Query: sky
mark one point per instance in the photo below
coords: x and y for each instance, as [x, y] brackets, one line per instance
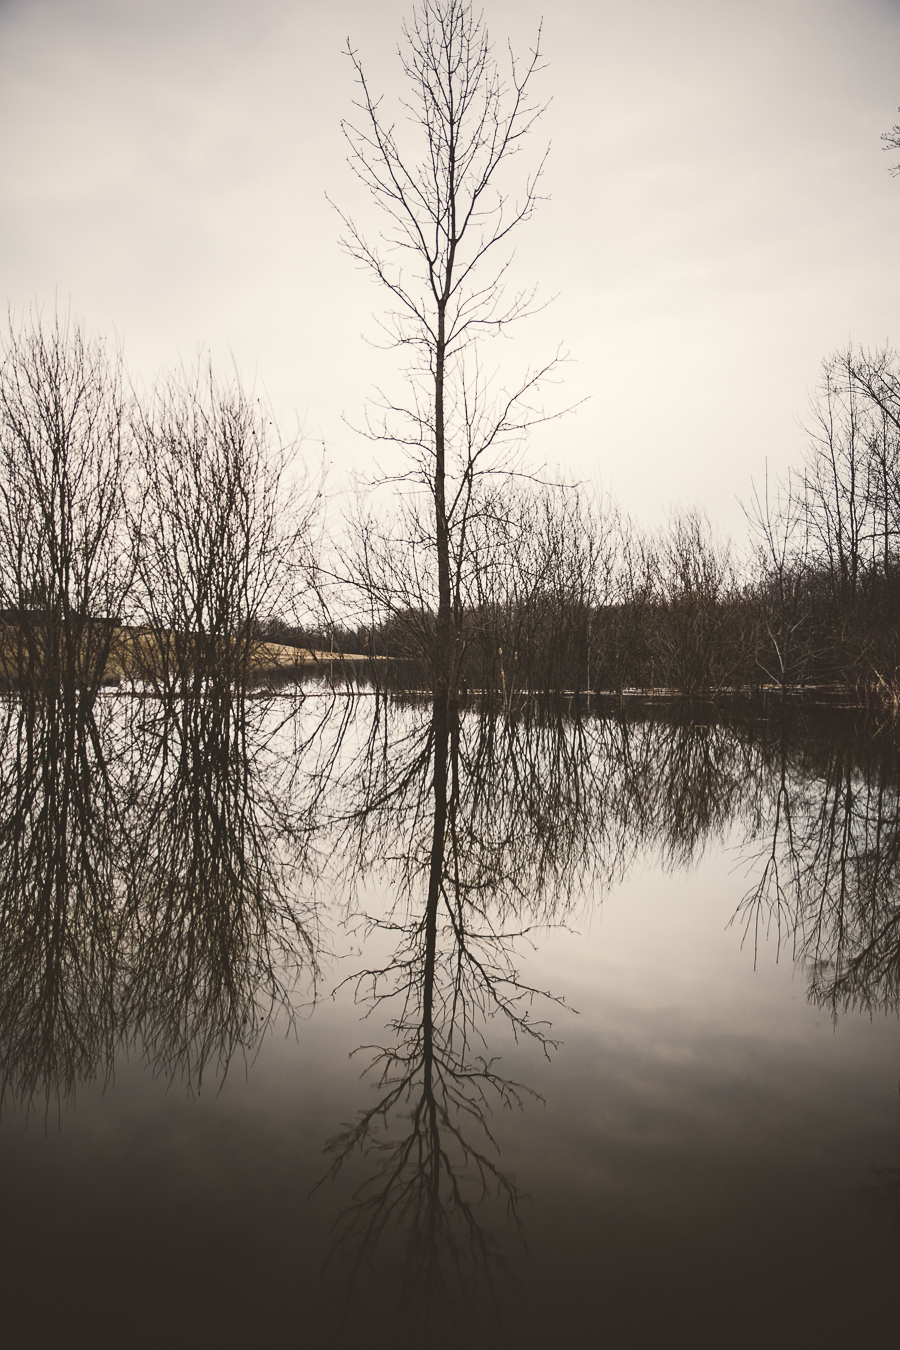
[720, 214]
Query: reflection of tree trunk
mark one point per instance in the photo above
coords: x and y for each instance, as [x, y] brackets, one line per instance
[435, 875]
[433, 1179]
[435, 879]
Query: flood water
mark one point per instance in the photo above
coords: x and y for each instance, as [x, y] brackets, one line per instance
[330, 1021]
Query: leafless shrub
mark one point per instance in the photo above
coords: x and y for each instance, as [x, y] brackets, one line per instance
[218, 532]
[66, 452]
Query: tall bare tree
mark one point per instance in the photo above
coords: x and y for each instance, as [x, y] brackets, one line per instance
[439, 182]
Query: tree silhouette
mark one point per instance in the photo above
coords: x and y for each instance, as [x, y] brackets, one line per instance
[447, 213]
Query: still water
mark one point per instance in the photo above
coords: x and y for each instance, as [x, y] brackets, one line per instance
[340, 1022]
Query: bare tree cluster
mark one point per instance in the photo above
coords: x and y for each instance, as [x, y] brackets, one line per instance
[149, 538]
[563, 594]
[171, 522]
[827, 583]
[216, 531]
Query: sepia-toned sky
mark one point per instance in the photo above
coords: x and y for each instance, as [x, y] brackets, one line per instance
[720, 212]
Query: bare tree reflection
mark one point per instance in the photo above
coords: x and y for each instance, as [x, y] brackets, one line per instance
[675, 784]
[151, 872]
[61, 916]
[157, 857]
[830, 867]
[219, 935]
[428, 1134]
[485, 828]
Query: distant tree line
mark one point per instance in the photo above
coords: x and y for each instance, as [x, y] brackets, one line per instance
[185, 519]
[562, 593]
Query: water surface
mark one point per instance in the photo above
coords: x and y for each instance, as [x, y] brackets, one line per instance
[331, 1020]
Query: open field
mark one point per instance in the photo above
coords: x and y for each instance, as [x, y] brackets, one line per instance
[114, 653]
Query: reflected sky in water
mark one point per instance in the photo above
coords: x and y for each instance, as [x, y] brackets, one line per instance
[342, 1019]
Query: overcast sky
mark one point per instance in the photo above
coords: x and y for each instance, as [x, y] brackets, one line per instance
[721, 214]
